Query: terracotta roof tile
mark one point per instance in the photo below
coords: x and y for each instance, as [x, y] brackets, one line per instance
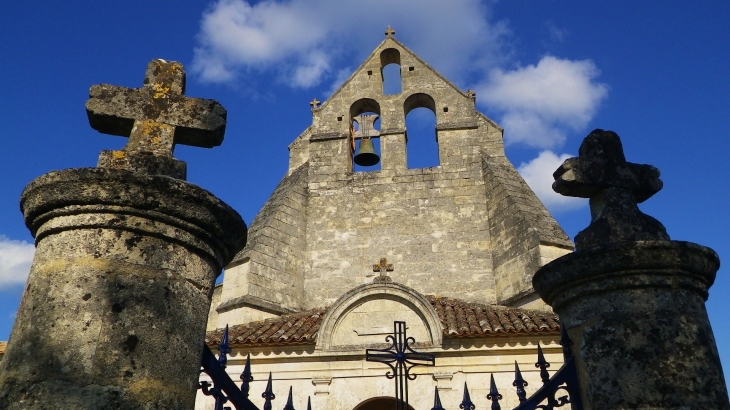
[466, 319]
[297, 328]
[459, 319]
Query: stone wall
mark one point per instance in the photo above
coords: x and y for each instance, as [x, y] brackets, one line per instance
[268, 275]
[430, 223]
[525, 236]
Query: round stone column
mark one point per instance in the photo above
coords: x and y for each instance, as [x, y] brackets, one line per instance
[632, 300]
[114, 311]
[635, 312]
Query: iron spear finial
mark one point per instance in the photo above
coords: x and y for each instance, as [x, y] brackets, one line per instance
[466, 403]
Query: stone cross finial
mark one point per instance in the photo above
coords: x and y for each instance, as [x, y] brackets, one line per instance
[383, 267]
[614, 187]
[314, 104]
[389, 32]
[155, 118]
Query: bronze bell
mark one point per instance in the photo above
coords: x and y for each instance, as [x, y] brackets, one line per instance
[366, 156]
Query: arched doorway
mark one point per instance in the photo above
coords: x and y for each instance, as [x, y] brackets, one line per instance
[378, 403]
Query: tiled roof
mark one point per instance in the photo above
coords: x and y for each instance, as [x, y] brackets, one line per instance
[459, 319]
[465, 319]
[296, 328]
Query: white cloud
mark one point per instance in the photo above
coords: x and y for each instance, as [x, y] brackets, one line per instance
[541, 103]
[556, 34]
[538, 174]
[304, 40]
[309, 73]
[15, 260]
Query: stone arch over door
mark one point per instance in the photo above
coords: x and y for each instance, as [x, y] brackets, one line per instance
[394, 302]
[379, 403]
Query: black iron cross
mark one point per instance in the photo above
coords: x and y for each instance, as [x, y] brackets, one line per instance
[401, 358]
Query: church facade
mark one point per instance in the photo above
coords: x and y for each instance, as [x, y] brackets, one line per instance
[336, 255]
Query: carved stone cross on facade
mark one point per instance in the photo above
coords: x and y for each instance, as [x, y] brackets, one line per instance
[614, 187]
[401, 358]
[155, 118]
[383, 267]
[314, 104]
[389, 32]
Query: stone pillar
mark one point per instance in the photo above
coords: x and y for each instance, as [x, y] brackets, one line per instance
[631, 299]
[393, 150]
[114, 311]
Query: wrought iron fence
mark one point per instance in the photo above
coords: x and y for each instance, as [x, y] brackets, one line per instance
[548, 397]
[224, 390]
[557, 391]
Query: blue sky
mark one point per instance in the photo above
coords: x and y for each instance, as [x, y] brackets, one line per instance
[549, 71]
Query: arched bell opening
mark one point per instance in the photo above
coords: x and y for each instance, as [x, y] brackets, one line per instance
[422, 149]
[390, 71]
[365, 135]
[379, 403]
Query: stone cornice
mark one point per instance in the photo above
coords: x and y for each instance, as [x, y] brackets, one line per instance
[93, 198]
[627, 265]
[327, 136]
[453, 126]
[254, 302]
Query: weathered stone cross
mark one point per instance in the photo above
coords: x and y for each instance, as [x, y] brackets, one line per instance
[614, 187]
[155, 118]
[389, 32]
[314, 104]
[383, 267]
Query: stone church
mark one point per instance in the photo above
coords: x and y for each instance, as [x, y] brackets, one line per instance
[118, 300]
[337, 254]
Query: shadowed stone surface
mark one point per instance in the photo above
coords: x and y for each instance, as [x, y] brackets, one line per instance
[614, 187]
[631, 299]
[114, 311]
[123, 264]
